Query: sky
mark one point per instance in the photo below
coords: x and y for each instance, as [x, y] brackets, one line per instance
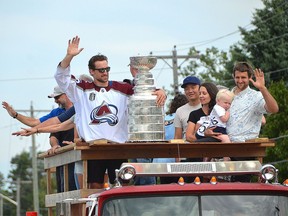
[35, 33]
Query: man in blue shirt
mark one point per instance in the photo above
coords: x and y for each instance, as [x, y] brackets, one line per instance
[60, 98]
[56, 139]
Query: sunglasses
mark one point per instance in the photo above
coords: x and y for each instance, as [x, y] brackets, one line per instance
[57, 97]
[102, 70]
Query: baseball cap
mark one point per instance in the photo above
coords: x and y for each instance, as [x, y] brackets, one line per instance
[190, 80]
[57, 91]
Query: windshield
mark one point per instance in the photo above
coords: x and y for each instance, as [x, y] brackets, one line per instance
[212, 205]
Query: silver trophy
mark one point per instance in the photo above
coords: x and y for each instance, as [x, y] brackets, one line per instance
[146, 120]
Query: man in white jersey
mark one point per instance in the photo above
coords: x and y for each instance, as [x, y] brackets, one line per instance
[191, 86]
[101, 107]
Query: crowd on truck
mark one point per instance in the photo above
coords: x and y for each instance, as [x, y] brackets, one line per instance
[93, 107]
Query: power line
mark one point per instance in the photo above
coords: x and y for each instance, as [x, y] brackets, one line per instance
[277, 162]
[264, 41]
[246, 27]
[43, 78]
[201, 43]
[155, 69]
[280, 137]
[24, 79]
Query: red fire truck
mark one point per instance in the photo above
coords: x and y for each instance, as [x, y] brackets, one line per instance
[214, 197]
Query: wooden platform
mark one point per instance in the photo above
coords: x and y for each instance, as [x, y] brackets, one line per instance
[84, 151]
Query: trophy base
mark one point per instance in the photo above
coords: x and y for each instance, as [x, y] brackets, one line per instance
[146, 136]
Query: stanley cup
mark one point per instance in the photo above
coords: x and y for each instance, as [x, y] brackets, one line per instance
[146, 120]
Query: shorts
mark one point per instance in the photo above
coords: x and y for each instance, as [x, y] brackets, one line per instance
[97, 169]
[78, 167]
[220, 130]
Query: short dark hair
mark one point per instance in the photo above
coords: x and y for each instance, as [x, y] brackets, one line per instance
[243, 67]
[93, 59]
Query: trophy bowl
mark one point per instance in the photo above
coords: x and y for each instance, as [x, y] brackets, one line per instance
[143, 62]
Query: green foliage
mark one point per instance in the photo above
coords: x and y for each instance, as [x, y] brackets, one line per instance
[267, 42]
[22, 169]
[2, 183]
[276, 127]
[21, 163]
[264, 46]
[210, 67]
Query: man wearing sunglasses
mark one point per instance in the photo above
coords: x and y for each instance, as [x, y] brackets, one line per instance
[101, 108]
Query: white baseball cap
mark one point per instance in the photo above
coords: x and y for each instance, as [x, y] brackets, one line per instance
[57, 91]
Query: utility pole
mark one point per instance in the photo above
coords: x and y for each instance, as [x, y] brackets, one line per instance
[18, 194]
[1, 202]
[175, 66]
[18, 183]
[34, 161]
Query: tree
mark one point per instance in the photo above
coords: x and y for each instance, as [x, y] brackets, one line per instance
[2, 183]
[210, 67]
[276, 127]
[266, 44]
[22, 168]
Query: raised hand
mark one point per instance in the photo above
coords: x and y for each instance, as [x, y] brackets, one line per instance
[73, 46]
[259, 79]
[9, 109]
[72, 50]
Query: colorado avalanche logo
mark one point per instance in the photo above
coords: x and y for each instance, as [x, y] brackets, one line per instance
[104, 113]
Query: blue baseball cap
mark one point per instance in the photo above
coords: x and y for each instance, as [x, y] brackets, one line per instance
[190, 80]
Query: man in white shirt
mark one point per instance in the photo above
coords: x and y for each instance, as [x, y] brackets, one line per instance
[101, 108]
[247, 108]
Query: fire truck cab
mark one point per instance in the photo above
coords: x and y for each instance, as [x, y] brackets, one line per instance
[211, 197]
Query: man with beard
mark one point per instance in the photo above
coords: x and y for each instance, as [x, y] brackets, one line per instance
[101, 108]
[247, 108]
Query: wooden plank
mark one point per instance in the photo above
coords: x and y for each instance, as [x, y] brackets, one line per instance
[48, 179]
[66, 178]
[164, 150]
[263, 139]
[100, 141]
[52, 199]
[85, 174]
[177, 141]
[66, 157]
[57, 151]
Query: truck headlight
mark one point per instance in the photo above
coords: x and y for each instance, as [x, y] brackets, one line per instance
[268, 172]
[127, 172]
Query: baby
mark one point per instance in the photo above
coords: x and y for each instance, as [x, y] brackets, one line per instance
[220, 115]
